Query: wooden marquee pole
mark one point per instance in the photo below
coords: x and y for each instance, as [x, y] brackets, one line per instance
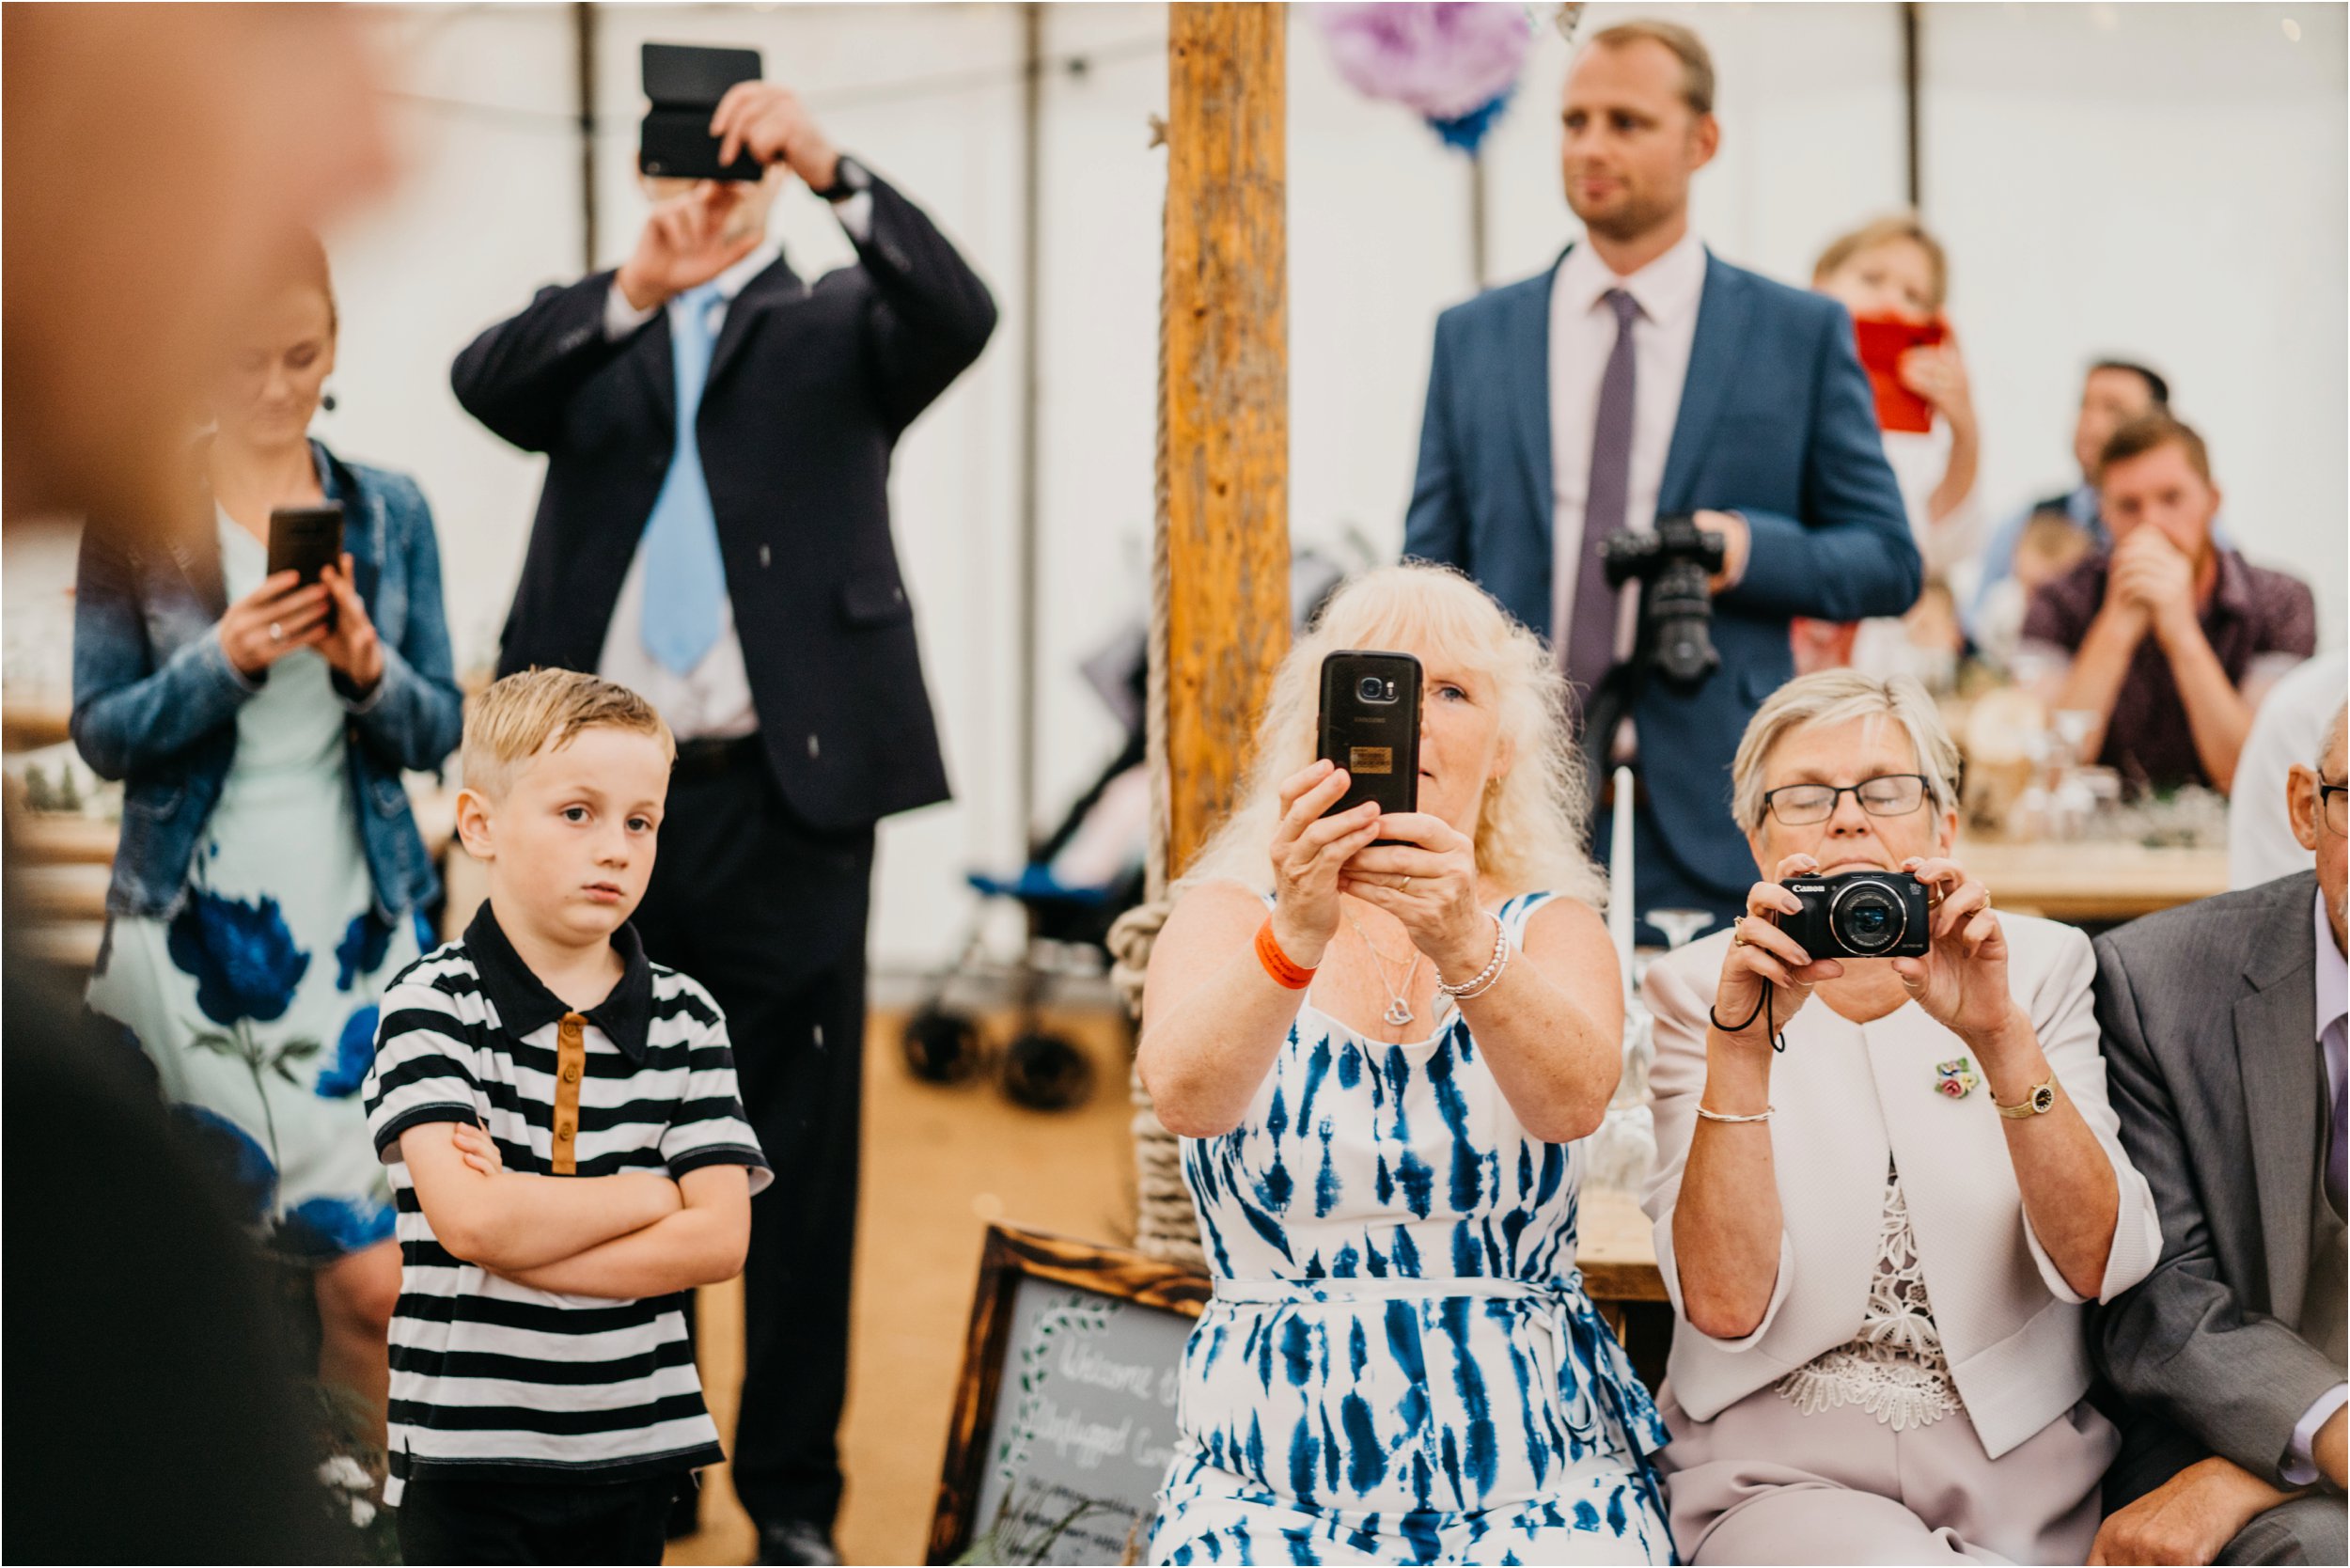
[1220, 602]
[1220, 620]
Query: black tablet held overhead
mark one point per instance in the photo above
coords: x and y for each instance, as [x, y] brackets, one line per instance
[685, 82]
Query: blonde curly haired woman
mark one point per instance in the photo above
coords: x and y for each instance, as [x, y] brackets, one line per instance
[1380, 1057]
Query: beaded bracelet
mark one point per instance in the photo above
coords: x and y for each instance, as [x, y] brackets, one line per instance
[1485, 978]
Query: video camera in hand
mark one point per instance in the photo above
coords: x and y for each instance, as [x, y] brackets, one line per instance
[1859, 915]
[685, 83]
[1676, 565]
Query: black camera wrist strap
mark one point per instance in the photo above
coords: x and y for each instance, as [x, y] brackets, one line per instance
[1770, 1025]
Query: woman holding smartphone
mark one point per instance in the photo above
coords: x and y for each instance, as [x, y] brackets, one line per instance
[270, 880]
[1381, 1037]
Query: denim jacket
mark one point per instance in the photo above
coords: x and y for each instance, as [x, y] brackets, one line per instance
[155, 699]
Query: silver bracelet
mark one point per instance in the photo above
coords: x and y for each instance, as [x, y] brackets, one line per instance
[1485, 978]
[1717, 1116]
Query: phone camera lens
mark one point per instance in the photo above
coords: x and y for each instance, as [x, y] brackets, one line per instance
[1369, 688]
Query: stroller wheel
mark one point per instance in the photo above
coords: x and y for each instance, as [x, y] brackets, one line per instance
[941, 1047]
[1044, 1071]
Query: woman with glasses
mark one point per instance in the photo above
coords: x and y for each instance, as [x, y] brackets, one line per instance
[1888, 1187]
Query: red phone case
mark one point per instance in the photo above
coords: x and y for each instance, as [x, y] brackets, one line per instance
[1883, 341]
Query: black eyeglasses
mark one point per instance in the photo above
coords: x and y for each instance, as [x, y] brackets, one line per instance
[2331, 806]
[1888, 794]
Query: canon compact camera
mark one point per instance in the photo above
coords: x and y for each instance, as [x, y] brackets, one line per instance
[1859, 915]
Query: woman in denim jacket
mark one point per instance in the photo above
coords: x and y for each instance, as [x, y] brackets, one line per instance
[270, 880]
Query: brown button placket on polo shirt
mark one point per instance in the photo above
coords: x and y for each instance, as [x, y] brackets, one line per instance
[570, 1065]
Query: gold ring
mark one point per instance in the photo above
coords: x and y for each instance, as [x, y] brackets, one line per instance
[1404, 884]
[1738, 932]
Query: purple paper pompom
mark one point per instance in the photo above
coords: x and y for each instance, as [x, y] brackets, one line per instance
[1444, 60]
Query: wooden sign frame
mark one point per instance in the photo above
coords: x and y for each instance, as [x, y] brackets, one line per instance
[1010, 1255]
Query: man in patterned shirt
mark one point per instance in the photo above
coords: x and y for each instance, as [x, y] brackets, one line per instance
[2171, 638]
[568, 1152]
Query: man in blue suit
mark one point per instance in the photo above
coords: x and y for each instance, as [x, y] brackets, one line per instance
[1643, 377]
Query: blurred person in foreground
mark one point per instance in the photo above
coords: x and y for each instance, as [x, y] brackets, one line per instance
[1893, 275]
[2264, 840]
[2223, 1032]
[744, 579]
[1381, 1058]
[1640, 377]
[148, 1314]
[1886, 1189]
[2113, 393]
[270, 880]
[2173, 638]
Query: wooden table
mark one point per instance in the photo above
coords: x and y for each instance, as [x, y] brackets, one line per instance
[2101, 881]
[1616, 1249]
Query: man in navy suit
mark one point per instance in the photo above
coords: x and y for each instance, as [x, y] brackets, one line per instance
[1641, 376]
[745, 581]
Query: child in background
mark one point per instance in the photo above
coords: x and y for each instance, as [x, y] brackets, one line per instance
[1893, 271]
[567, 1151]
[2050, 545]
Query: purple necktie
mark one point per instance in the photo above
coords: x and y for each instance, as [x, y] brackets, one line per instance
[1590, 646]
[2334, 1178]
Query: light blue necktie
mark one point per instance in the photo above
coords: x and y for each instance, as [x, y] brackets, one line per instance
[686, 578]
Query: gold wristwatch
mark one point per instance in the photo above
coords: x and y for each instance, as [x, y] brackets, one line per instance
[2040, 1102]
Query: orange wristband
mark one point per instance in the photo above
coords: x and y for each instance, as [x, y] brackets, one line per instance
[1287, 975]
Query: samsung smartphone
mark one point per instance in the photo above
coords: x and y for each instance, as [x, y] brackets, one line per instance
[1370, 726]
[307, 540]
[685, 82]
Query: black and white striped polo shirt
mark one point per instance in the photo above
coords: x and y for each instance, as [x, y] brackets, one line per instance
[496, 1380]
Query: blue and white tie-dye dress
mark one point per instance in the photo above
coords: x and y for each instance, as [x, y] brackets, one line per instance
[1399, 1364]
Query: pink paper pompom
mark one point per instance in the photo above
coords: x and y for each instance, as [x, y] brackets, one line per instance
[1444, 60]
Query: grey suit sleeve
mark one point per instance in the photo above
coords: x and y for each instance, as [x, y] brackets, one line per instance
[1436, 527]
[2180, 1345]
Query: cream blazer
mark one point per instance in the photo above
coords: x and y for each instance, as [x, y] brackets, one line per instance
[1847, 1096]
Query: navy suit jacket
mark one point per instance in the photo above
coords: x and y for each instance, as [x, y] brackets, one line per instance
[1777, 422]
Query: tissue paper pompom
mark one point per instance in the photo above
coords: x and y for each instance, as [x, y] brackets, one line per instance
[1444, 60]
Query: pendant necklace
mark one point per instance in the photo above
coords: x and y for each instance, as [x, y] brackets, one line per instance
[1399, 1011]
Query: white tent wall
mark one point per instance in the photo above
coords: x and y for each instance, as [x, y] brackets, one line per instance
[2166, 180]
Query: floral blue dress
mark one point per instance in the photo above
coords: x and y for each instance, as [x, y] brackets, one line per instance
[256, 1001]
[1399, 1364]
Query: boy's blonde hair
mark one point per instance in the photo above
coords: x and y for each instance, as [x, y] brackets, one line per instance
[526, 713]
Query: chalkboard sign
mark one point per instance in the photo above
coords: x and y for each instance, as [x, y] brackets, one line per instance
[1065, 1418]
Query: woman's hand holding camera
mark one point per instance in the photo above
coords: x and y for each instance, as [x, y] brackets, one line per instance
[1962, 981]
[1763, 960]
[1428, 881]
[1309, 852]
[280, 616]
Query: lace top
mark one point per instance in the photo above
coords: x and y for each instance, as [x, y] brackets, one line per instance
[1894, 1368]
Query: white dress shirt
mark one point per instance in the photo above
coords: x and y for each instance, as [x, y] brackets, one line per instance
[2288, 728]
[2333, 1019]
[713, 701]
[1582, 335]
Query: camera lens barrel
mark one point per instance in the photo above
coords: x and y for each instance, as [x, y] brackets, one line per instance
[1868, 917]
